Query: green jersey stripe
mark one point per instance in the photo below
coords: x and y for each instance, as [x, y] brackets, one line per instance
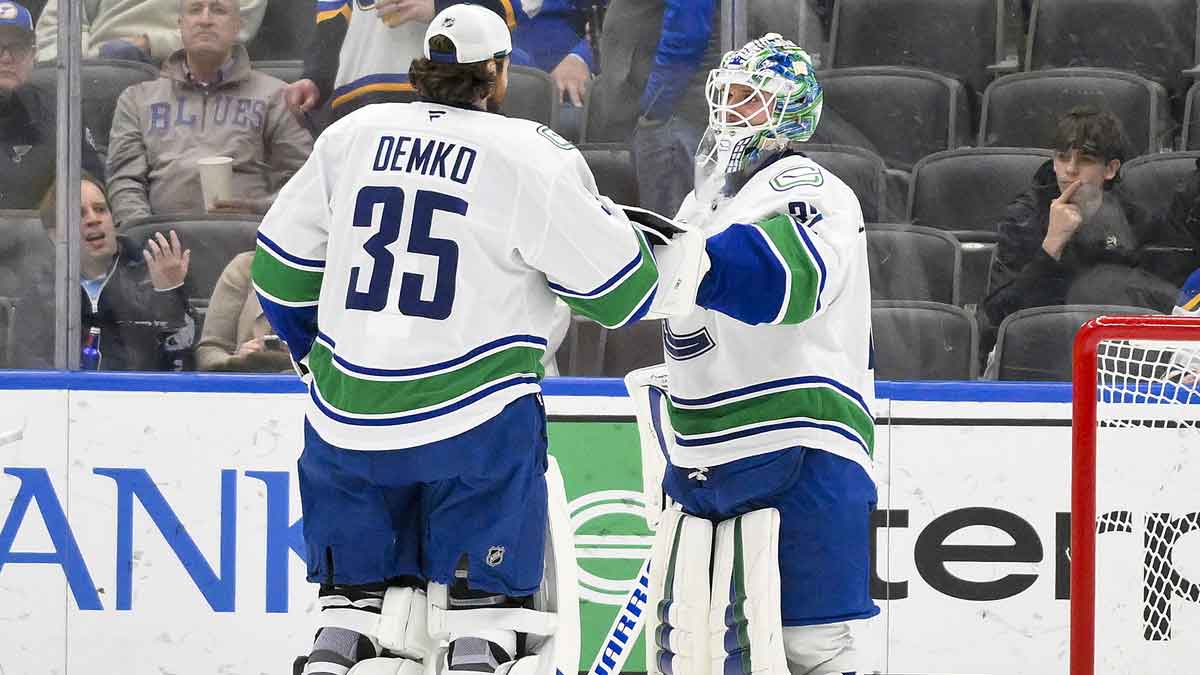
[282, 281]
[359, 396]
[617, 304]
[804, 275]
[814, 402]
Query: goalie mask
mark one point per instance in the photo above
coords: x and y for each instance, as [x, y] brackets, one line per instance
[762, 97]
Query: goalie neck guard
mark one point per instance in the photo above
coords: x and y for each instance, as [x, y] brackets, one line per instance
[777, 75]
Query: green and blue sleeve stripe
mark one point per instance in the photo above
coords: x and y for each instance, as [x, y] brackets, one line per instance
[767, 272]
[623, 298]
[288, 288]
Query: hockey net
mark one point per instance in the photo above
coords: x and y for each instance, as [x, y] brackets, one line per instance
[1135, 562]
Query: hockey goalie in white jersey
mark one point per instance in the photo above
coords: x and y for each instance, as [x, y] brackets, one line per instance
[759, 429]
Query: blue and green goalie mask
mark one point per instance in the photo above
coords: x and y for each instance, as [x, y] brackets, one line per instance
[770, 75]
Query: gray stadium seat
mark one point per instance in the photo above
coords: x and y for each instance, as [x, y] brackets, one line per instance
[612, 165]
[1151, 181]
[27, 285]
[213, 240]
[957, 38]
[1022, 110]
[531, 96]
[913, 263]
[1153, 38]
[102, 82]
[287, 70]
[1036, 343]
[8, 322]
[862, 170]
[968, 189]
[637, 345]
[1191, 119]
[906, 113]
[917, 340]
[285, 32]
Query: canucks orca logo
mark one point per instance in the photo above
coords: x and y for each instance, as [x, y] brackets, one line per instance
[688, 345]
[550, 135]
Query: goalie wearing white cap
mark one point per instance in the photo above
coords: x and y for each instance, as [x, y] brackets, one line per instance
[412, 266]
[759, 428]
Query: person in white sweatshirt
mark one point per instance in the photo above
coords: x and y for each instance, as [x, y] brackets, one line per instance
[139, 30]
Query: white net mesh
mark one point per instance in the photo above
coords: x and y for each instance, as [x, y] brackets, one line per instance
[1148, 507]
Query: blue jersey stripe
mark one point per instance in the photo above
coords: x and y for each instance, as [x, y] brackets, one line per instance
[380, 78]
[422, 416]
[779, 426]
[602, 288]
[432, 368]
[774, 384]
[812, 249]
[294, 259]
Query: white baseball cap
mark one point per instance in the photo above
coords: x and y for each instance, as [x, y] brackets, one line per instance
[478, 35]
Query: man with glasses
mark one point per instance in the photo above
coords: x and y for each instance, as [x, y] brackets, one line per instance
[27, 118]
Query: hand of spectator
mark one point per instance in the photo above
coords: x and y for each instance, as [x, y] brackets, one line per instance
[398, 12]
[167, 261]
[302, 95]
[241, 206]
[1065, 219]
[250, 347]
[571, 77]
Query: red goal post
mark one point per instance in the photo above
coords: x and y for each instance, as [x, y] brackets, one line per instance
[1119, 377]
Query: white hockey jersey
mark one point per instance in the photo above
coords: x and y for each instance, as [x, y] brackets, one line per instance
[781, 356]
[414, 262]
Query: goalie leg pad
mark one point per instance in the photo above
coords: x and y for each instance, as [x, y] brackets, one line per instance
[746, 613]
[648, 389]
[548, 621]
[360, 622]
[678, 604]
[387, 666]
[821, 649]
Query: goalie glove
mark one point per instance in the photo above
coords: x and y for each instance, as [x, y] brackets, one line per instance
[682, 265]
[659, 229]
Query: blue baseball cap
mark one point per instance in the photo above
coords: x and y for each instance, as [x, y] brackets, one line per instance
[12, 14]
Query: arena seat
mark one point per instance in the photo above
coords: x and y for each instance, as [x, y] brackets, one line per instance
[862, 170]
[958, 38]
[101, 83]
[918, 340]
[287, 70]
[628, 348]
[1035, 343]
[612, 165]
[1022, 109]
[1152, 38]
[968, 189]
[531, 96]
[213, 240]
[924, 113]
[913, 263]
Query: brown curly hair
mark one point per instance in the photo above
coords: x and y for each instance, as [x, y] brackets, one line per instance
[452, 83]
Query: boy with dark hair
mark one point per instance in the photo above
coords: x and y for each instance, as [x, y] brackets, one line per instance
[1071, 238]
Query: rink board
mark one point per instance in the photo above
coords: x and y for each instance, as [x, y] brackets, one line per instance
[150, 524]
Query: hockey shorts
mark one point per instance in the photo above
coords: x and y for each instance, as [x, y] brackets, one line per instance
[824, 502]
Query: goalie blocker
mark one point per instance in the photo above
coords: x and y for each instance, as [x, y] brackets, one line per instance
[786, 533]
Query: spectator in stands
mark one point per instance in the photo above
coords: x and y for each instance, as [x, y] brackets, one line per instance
[1071, 239]
[556, 41]
[237, 336]
[138, 30]
[134, 296]
[207, 102]
[28, 130]
[362, 49]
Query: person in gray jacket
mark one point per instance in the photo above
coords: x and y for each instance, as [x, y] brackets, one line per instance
[207, 102]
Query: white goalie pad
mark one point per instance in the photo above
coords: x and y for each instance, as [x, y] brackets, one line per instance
[551, 626]
[399, 627]
[677, 629]
[647, 388]
[387, 666]
[746, 615]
